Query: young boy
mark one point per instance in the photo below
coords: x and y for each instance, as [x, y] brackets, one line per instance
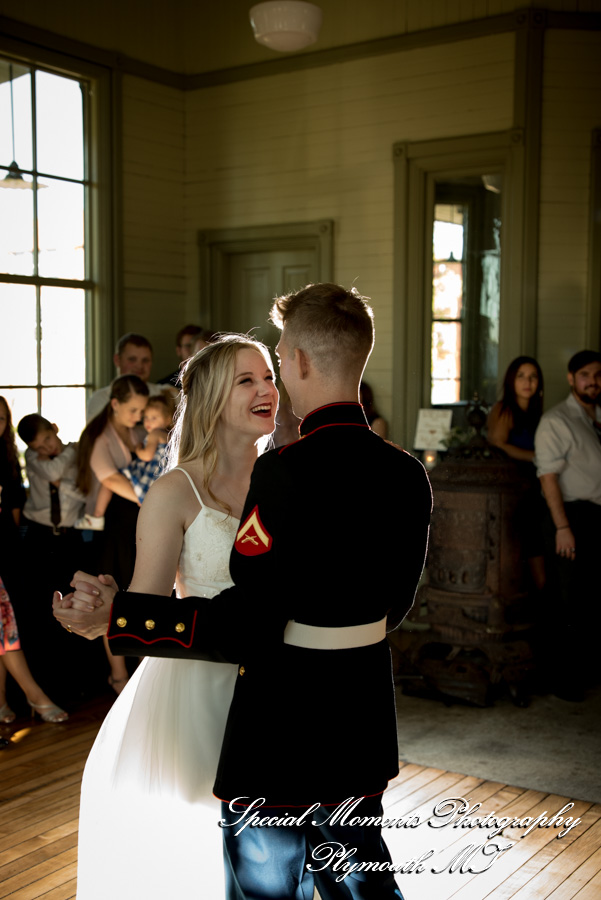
[146, 468]
[51, 545]
[54, 503]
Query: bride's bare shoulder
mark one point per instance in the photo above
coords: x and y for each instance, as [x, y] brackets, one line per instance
[174, 487]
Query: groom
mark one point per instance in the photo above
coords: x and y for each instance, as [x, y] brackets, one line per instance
[330, 548]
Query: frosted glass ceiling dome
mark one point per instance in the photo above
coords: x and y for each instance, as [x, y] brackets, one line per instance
[285, 25]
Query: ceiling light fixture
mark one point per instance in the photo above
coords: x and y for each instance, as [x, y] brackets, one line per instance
[286, 25]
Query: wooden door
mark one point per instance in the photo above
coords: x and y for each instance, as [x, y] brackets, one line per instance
[243, 269]
[254, 279]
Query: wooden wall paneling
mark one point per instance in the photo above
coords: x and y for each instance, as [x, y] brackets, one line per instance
[569, 303]
[593, 314]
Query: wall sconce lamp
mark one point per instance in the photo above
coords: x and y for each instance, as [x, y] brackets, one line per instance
[285, 25]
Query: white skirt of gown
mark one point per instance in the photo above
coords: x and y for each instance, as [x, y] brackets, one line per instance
[148, 824]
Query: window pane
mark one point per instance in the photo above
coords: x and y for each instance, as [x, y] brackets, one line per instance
[16, 231]
[444, 392]
[67, 408]
[21, 403]
[61, 229]
[448, 235]
[447, 290]
[59, 126]
[21, 85]
[63, 336]
[18, 356]
[446, 361]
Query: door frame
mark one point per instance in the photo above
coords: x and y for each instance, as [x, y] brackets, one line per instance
[417, 167]
[216, 246]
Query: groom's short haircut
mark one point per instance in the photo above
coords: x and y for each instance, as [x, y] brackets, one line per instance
[333, 325]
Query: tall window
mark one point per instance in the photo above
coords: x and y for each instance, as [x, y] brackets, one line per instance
[44, 265]
[448, 277]
[466, 291]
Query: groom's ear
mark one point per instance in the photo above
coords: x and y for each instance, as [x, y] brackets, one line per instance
[302, 362]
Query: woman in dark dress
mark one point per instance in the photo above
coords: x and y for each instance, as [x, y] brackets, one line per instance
[512, 423]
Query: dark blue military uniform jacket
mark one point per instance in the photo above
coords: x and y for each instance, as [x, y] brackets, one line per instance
[333, 533]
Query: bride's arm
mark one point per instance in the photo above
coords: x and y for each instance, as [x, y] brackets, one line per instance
[159, 537]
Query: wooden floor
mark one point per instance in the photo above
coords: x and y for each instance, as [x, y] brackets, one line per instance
[40, 772]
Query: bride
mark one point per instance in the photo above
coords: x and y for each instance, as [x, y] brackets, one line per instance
[148, 821]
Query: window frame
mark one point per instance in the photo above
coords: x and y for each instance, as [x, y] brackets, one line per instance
[418, 166]
[102, 282]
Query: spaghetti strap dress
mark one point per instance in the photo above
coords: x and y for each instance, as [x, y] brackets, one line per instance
[148, 822]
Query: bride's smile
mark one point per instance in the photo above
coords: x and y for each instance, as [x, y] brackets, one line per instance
[253, 400]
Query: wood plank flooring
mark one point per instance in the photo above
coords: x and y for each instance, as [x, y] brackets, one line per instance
[40, 773]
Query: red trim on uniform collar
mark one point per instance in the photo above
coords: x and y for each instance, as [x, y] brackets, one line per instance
[345, 412]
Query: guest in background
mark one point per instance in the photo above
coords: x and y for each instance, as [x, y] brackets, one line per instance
[185, 340]
[203, 339]
[374, 419]
[568, 460]
[151, 455]
[133, 356]
[106, 446]
[12, 660]
[512, 423]
[13, 501]
[143, 470]
[50, 544]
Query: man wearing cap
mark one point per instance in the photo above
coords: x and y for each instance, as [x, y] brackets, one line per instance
[568, 460]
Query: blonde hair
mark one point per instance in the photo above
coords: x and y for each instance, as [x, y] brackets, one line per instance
[207, 379]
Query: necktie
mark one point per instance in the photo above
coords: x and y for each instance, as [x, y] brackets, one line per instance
[55, 508]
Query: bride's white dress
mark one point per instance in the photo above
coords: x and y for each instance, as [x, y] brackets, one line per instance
[148, 824]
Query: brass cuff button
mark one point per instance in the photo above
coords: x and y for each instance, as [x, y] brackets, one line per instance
[241, 670]
[121, 622]
[180, 627]
[149, 623]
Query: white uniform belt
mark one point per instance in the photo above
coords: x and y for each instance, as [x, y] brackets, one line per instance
[314, 637]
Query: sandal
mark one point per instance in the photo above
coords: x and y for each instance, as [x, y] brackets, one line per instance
[48, 712]
[7, 715]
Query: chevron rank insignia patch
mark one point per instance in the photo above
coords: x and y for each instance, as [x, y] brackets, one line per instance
[253, 538]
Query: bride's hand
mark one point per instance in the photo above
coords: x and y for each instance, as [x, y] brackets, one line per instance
[90, 621]
[91, 592]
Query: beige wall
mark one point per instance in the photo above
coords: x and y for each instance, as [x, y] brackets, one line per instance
[571, 109]
[154, 290]
[318, 144]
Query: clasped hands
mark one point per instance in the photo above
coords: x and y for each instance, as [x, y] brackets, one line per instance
[86, 610]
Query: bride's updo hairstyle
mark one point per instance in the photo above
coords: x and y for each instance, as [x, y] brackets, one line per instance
[207, 380]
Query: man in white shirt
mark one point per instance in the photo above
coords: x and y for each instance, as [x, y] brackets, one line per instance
[568, 460]
[133, 356]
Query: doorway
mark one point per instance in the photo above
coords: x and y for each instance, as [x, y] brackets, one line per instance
[243, 269]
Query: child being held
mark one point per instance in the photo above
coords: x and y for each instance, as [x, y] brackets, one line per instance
[146, 466]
